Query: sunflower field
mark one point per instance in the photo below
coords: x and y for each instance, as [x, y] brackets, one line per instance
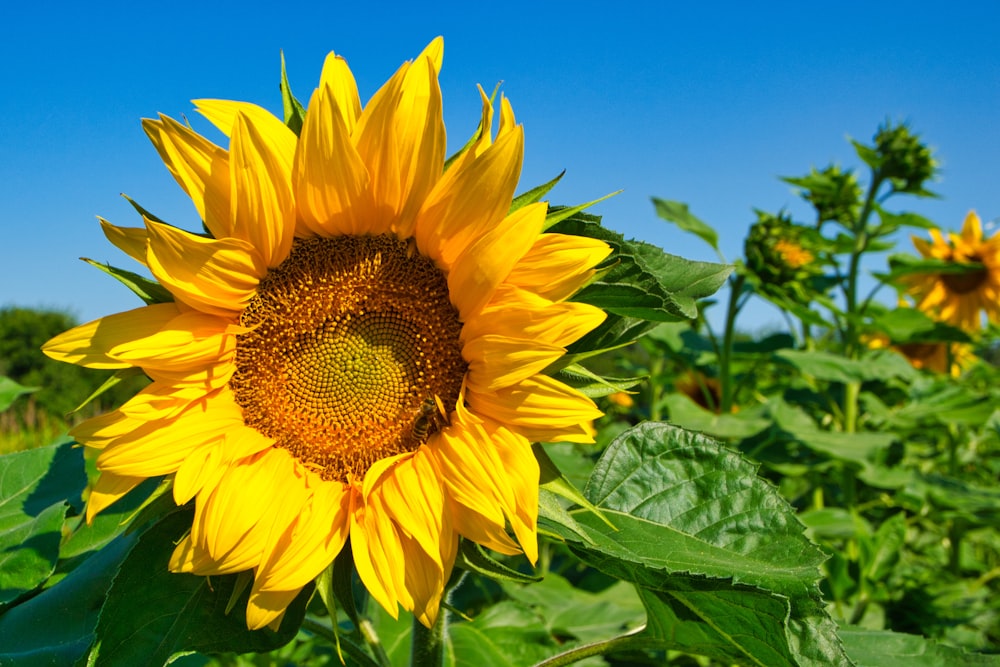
[381, 406]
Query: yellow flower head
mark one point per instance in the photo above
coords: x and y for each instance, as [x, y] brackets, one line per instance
[355, 351]
[960, 298]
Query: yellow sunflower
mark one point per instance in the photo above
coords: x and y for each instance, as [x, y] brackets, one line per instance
[936, 356]
[960, 298]
[355, 351]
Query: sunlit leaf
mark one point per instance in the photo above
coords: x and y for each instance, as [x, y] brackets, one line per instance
[36, 487]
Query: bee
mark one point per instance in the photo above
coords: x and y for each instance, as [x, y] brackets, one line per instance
[429, 414]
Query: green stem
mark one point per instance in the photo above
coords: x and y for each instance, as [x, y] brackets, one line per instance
[630, 642]
[427, 649]
[860, 246]
[726, 353]
[655, 387]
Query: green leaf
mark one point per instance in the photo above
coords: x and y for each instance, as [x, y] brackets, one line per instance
[679, 214]
[683, 506]
[883, 648]
[593, 385]
[731, 624]
[875, 365]
[907, 265]
[35, 488]
[148, 290]
[862, 448]
[893, 221]
[56, 627]
[10, 391]
[551, 479]
[643, 282]
[152, 615]
[687, 414]
[294, 112]
[909, 325]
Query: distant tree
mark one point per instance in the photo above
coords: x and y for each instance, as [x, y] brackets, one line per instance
[63, 386]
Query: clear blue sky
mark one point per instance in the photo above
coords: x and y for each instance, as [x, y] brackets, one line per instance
[706, 104]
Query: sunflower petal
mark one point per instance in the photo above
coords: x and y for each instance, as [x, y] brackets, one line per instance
[199, 166]
[215, 276]
[558, 265]
[540, 408]
[330, 179]
[130, 240]
[262, 209]
[478, 271]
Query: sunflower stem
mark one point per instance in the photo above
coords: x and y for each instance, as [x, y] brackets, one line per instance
[726, 353]
[427, 647]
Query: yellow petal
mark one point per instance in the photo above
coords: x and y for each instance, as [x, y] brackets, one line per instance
[266, 608]
[378, 553]
[108, 489]
[318, 535]
[130, 240]
[414, 117]
[558, 265]
[498, 361]
[199, 166]
[158, 449]
[478, 271]
[262, 212]
[337, 77]
[412, 494]
[518, 314]
[539, 408]
[278, 136]
[215, 276]
[90, 344]
[330, 180]
[462, 208]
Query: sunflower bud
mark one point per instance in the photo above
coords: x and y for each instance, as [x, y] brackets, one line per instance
[782, 255]
[899, 156]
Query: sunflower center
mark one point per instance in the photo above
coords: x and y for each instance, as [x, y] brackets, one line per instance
[352, 341]
[966, 281]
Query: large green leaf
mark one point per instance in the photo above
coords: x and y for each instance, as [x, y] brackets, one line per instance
[875, 365]
[56, 627]
[693, 517]
[35, 488]
[152, 614]
[882, 648]
[861, 447]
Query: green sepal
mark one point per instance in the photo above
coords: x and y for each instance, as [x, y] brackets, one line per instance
[557, 214]
[551, 479]
[146, 215]
[120, 375]
[535, 194]
[473, 558]
[148, 290]
[293, 110]
[243, 581]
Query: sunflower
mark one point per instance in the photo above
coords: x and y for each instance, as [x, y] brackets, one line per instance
[935, 356]
[960, 298]
[354, 350]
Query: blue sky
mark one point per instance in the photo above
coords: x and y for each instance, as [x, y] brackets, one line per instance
[707, 104]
